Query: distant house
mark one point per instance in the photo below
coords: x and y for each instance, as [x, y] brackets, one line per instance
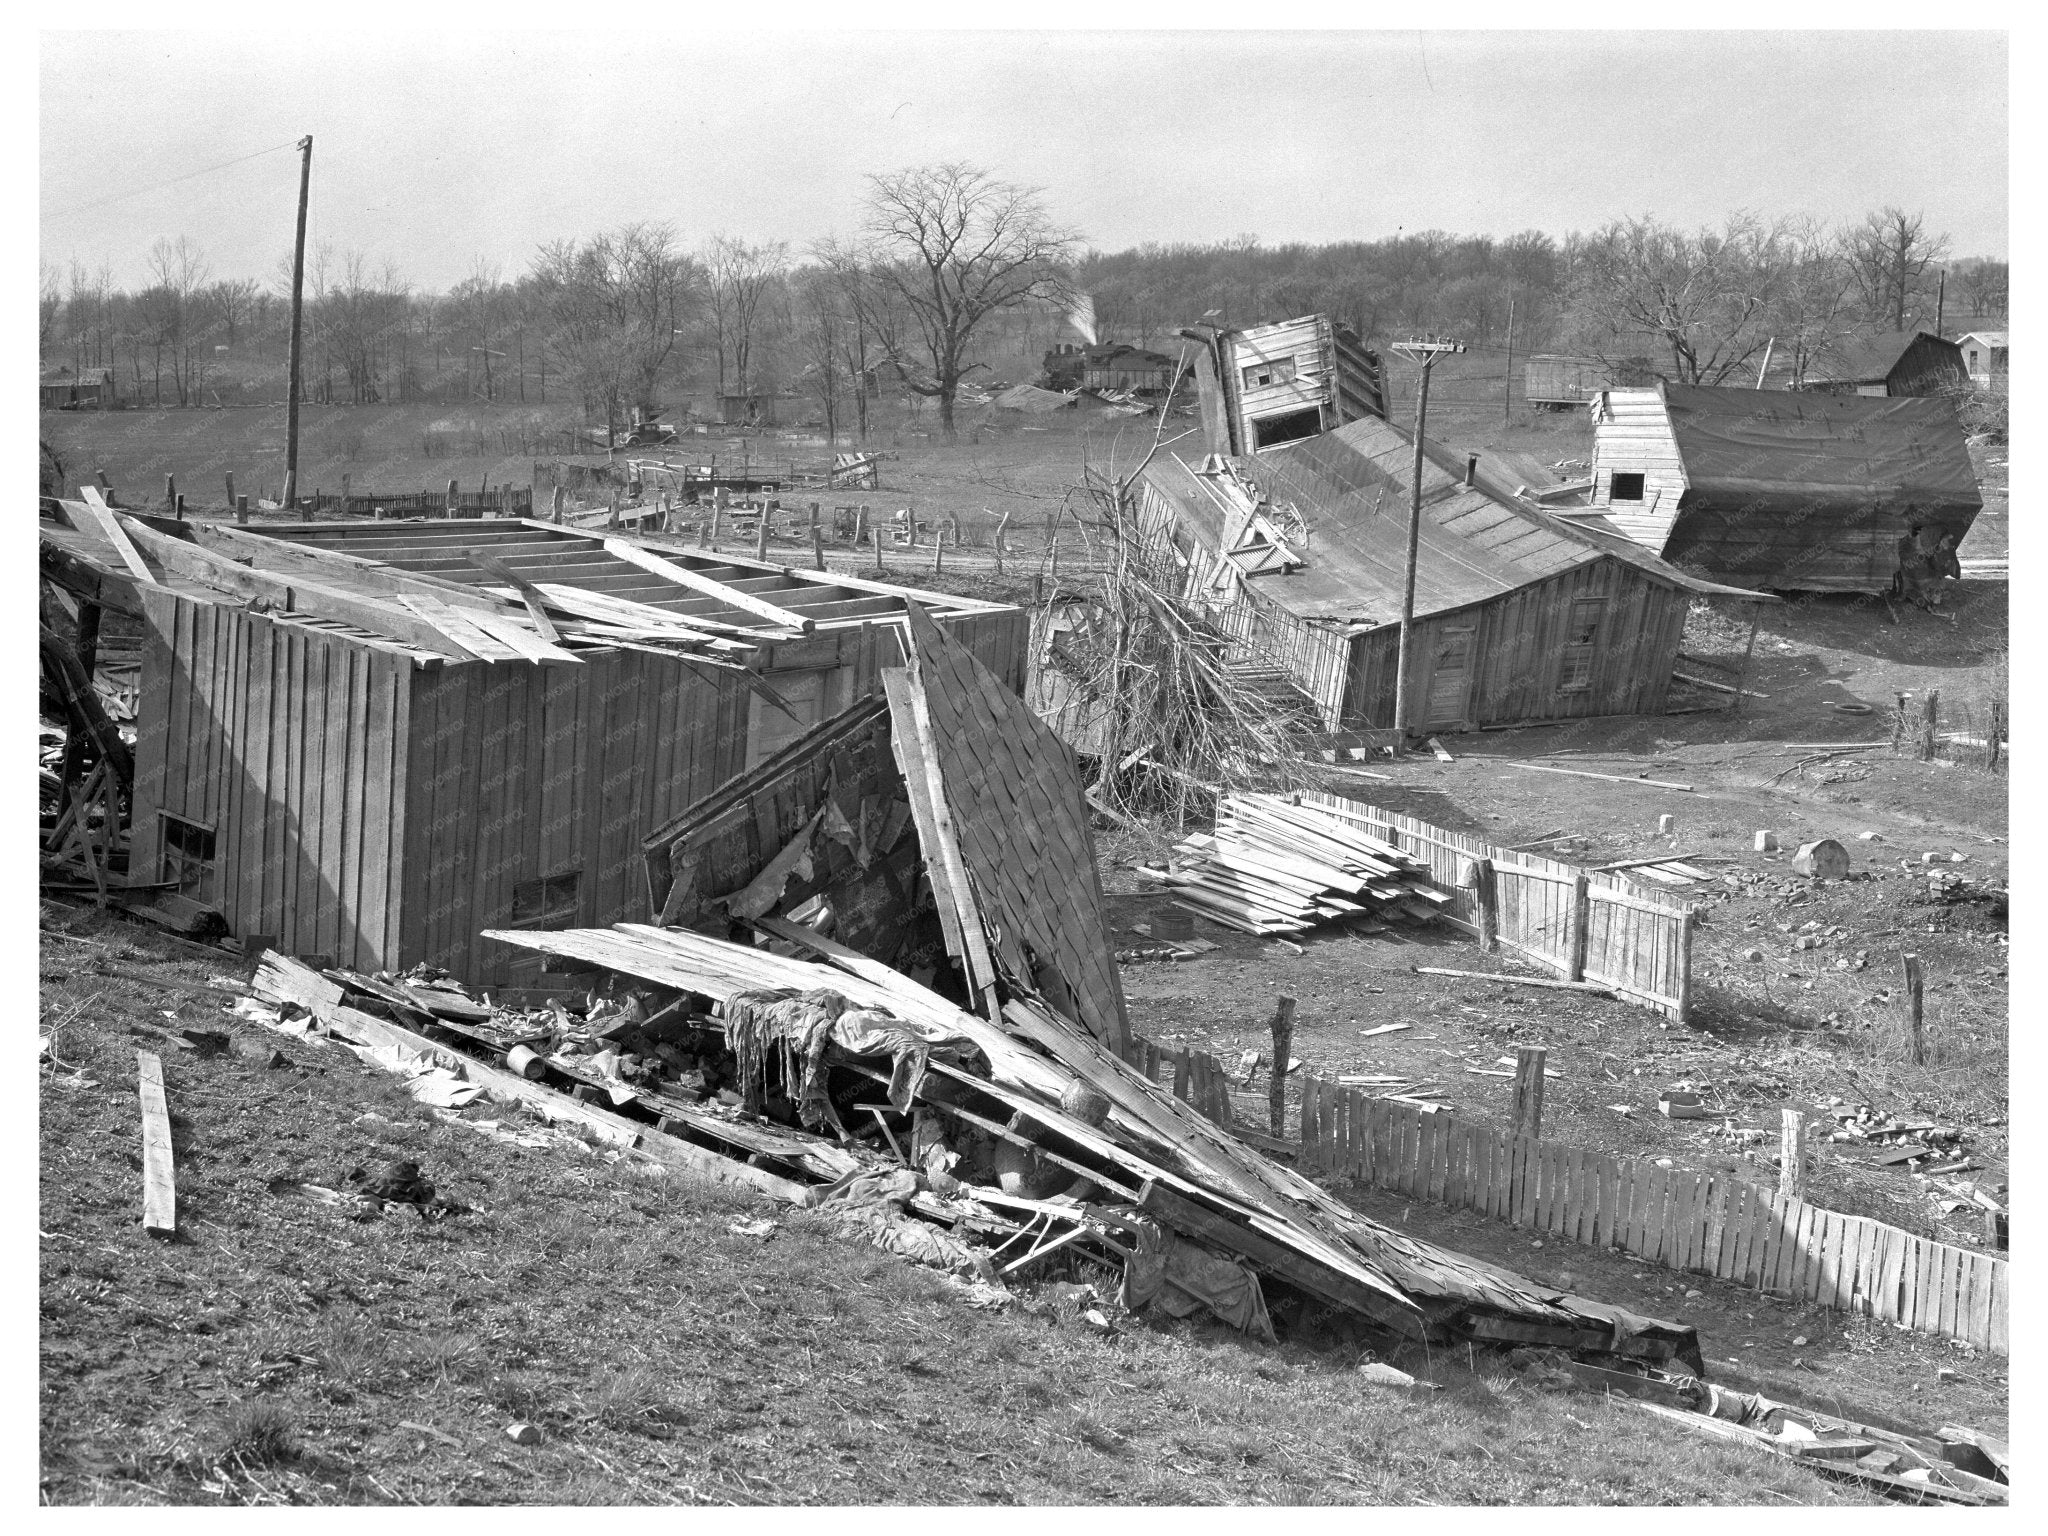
[1893, 364]
[1793, 491]
[1984, 357]
[1298, 554]
[1118, 366]
[755, 409]
[64, 390]
[1114, 365]
[1265, 385]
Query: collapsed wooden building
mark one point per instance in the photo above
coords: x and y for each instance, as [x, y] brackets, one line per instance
[1521, 614]
[1802, 491]
[371, 740]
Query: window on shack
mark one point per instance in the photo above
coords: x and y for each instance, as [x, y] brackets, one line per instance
[1625, 487]
[1279, 370]
[187, 856]
[1582, 640]
[547, 903]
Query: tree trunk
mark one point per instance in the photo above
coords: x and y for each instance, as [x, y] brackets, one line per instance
[946, 410]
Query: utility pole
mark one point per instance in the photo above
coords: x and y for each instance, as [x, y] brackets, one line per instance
[1941, 302]
[291, 407]
[1507, 383]
[1426, 353]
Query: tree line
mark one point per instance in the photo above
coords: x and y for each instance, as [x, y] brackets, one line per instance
[946, 258]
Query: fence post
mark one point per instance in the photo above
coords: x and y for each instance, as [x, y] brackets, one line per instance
[1792, 1154]
[170, 491]
[180, 507]
[1686, 924]
[557, 501]
[1581, 911]
[817, 547]
[1000, 551]
[231, 490]
[454, 491]
[860, 525]
[1930, 713]
[242, 509]
[344, 495]
[767, 513]
[1528, 1103]
[1912, 965]
[939, 549]
[1486, 898]
[1283, 1043]
[878, 547]
[1994, 737]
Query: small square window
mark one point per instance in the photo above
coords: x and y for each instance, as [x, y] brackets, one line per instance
[1279, 371]
[1625, 487]
[549, 903]
[187, 856]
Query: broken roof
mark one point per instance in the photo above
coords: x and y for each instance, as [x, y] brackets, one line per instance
[492, 589]
[1349, 490]
[1771, 446]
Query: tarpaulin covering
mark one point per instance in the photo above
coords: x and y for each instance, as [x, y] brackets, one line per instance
[1793, 449]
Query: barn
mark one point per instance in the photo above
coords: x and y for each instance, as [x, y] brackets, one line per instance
[373, 740]
[1299, 553]
[64, 390]
[1893, 364]
[1792, 491]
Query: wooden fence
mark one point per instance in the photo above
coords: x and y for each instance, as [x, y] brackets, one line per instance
[499, 501]
[1589, 926]
[1195, 1076]
[1700, 1222]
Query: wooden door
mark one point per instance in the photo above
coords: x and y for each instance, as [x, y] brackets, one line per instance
[1450, 677]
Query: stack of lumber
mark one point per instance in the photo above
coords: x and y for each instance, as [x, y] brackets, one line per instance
[1271, 866]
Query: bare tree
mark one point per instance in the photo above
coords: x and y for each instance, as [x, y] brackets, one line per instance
[613, 306]
[739, 278]
[1817, 303]
[1890, 253]
[180, 269]
[940, 249]
[1985, 285]
[49, 304]
[232, 302]
[1706, 296]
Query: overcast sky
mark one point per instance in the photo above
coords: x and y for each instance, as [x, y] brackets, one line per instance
[434, 150]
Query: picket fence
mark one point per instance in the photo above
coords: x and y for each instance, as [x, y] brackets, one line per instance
[1699, 1222]
[1588, 925]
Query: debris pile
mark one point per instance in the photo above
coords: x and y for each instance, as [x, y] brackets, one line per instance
[1274, 866]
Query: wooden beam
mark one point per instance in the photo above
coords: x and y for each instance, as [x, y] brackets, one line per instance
[529, 594]
[183, 558]
[1612, 778]
[94, 509]
[159, 1177]
[683, 576]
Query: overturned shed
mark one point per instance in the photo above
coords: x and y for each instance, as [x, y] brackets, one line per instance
[1892, 364]
[1261, 385]
[1791, 491]
[369, 740]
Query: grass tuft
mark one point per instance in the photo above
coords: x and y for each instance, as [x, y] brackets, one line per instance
[260, 1432]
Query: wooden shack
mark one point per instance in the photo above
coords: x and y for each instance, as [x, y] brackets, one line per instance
[92, 390]
[1299, 553]
[1264, 385]
[373, 740]
[1891, 364]
[1792, 491]
[1987, 358]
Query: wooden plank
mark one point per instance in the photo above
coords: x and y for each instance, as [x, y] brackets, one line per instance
[95, 511]
[1982, 1286]
[456, 627]
[1998, 1335]
[159, 1174]
[1946, 1275]
[514, 636]
[1829, 1254]
[683, 576]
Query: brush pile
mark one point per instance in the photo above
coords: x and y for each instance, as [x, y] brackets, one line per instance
[1171, 709]
[1271, 866]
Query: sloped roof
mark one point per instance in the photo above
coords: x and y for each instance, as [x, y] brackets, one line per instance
[1350, 489]
[1866, 360]
[1028, 397]
[1759, 444]
[1988, 338]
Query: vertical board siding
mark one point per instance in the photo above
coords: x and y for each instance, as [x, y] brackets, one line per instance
[1699, 1222]
[253, 725]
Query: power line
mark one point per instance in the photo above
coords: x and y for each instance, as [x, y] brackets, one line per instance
[174, 180]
